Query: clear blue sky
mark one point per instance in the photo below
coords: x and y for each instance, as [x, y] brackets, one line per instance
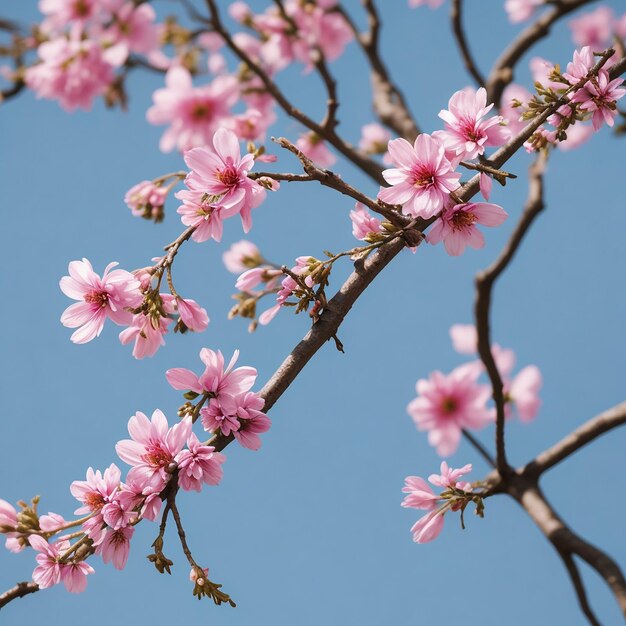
[309, 530]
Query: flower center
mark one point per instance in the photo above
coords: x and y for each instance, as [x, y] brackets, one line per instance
[156, 456]
[94, 500]
[101, 298]
[462, 220]
[228, 176]
[449, 405]
[423, 178]
[81, 8]
[201, 111]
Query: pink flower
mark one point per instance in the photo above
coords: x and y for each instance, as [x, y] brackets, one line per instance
[74, 576]
[580, 65]
[541, 70]
[241, 256]
[218, 187]
[449, 477]
[215, 379]
[71, 71]
[153, 447]
[598, 96]
[147, 338]
[510, 113]
[520, 10]
[146, 199]
[194, 113]
[193, 315]
[15, 541]
[63, 12]
[48, 571]
[363, 222]
[427, 528]
[447, 404]
[218, 418]
[523, 392]
[593, 29]
[133, 30]
[466, 132]
[199, 464]
[314, 147]
[99, 298]
[97, 490]
[432, 4]
[423, 178]
[252, 421]
[456, 225]
[374, 139]
[464, 338]
[116, 546]
[420, 496]
[252, 125]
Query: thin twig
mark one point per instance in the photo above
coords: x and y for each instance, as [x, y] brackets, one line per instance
[456, 19]
[579, 587]
[19, 591]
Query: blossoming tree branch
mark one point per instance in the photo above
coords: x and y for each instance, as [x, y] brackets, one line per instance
[220, 64]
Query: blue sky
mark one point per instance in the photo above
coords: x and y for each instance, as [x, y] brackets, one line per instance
[309, 529]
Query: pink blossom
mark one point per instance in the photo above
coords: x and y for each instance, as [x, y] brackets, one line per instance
[218, 183]
[423, 178]
[71, 71]
[133, 30]
[252, 421]
[119, 512]
[520, 10]
[116, 546]
[594, 28]
[147, 338]
[217, 418]
[97, 490]
[420, 494]
[598, 96]
[427, 528]
[314, 147]
[74, 576]
[15, 542]
[241, 256]
[432, 4]
[199, 464]
[99, 298]
[153, 447]
[134, 495]
[215, 379]
[193, 315]
[252, 125]
[456, 225]
[523, 392]
[251, 278]
[63, 12]
[580, 65]
[449, 477]
[48, 571]
[363, 222]
[466, 132]
[145, 199]
[513, 114]
[447, 404]
[194, 113]
[464, 338]
[374, 139]
[541, 70]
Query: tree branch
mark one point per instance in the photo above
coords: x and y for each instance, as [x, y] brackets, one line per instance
[367, 165]
[606, 421]
[456, 19]
[387, 99]
[485, 281]
[579, 587]
[503, 70]
[19, 591]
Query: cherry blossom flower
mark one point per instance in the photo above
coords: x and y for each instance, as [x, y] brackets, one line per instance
[580, 65]
[241, 256]
[72, 71]
[116, 546]
[423, 177]
[48, 571]
[456, 225]
[193, 113]
[215, 379]
[153, 447]
[420, 494]
[192, 314]
[145, 199]
[15, 542]
[217, 418]
[314, 147]
[523, 392]
[594, 28]
[428, 528]
[199, 464]
[63, 12]
[99, 298]
[520, 10]
[466, 132]
[147, 338]
[132, 30]
[97, 490]
[363, 222]
[218, 187]
[447, 404]
[74, 576]
[449, 477]
[510, 113]
[598, 96]
[464, 338]
[252, 421]
[374, 139]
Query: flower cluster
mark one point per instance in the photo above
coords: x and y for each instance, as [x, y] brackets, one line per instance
[447, 404]
[456, 495]
[157, 454]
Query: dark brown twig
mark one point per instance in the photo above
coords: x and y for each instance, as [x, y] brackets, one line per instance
[19, 591]
[456, 19]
